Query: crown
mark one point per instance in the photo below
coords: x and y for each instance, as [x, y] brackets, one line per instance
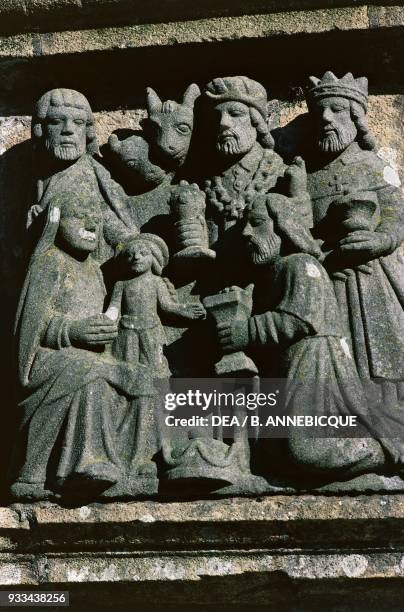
[346, 87]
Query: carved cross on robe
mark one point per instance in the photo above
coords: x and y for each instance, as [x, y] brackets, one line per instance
[339, 184]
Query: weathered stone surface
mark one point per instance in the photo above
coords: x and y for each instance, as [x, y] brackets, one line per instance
[316, 522]
[383, 16]
[229, 552]
[14, 572]
[260, 25]
[16, 46]
[51, 14]
[272, 552]
[9, 519]
[163, 34]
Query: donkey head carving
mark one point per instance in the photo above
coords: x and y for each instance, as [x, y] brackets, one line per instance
[172, 124]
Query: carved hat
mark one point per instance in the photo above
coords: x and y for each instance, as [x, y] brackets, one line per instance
[157, 246]
[331, 86]
[238, 89]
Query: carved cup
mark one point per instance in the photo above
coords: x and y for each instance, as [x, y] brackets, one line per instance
[232, 305]
[358, 211]
[187, 209]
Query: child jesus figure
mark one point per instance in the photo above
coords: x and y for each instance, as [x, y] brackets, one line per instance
[137, 301]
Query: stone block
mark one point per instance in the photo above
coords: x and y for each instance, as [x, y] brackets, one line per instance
[231, 552]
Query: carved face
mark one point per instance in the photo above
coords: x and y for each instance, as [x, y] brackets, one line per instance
[235, 133]
[139, 257]
[171, 125]
[65, 132]
[335, 128]
[262, 241]
[80, 226]
[172, 133]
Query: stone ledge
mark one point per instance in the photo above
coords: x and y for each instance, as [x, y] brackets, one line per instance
[33, 62]
[47, 15]
[192, 567]
[305, 523]
[214, 29]
[299, 552]
[242, 577]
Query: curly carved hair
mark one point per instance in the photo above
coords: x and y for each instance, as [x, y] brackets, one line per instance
[364, 138]
[263, 132]
[68, 98]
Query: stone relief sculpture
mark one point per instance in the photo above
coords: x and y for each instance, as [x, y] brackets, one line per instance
[150, 159]
[63, 135]
[240, 162]
[298, 266]
[304, 324]
[245, 159]
[245, 162]
[360, 196]
[137, 301]
[77, 406]
[171, 125]
[188, 207]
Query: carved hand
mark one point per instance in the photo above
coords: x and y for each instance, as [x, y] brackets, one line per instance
[195, 311]
[190, 232]
[189, 193]
[368, 244]
[33, 213]
[97, 330]
[233, 336]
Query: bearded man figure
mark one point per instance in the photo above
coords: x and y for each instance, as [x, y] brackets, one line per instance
[358, 210]
[64, 141]
[244, 162]
[239, 162]
[296, 333]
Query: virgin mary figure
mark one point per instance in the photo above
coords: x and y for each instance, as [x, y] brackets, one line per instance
[77, 402]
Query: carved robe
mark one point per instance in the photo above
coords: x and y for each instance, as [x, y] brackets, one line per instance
[76, 419]
[88, 179]
[314, 356]
[226, 192]
[301, 317]
[372, 304]
[141, 335]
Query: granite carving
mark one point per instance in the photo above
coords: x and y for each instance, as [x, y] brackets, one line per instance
[64, 141]
[192, 236]
[78, 403]
[361, 196]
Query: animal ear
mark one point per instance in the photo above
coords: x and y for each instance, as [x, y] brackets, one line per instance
[154, 104]
[114, 143]
[191, 94]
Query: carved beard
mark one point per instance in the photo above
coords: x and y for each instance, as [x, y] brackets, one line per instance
[63, 152]
[337, 140]
[230, 146]
[262, 251]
